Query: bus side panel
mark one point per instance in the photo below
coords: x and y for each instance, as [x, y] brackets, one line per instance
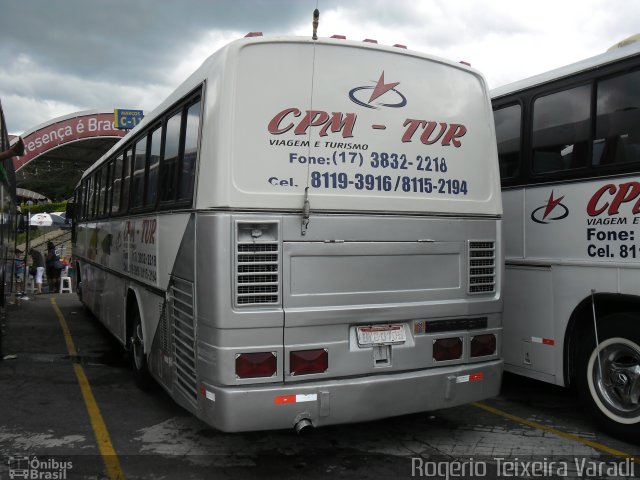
[513, 204]
[151, 306]
[103, 293]
[108, 251]
[583, 222]
[528, 294]
[98, 286]
[575, 285]
[577, 237]
[176, 305]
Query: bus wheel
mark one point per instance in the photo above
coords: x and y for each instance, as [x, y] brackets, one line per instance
[141, 374]
[609, 375]
[79, 285]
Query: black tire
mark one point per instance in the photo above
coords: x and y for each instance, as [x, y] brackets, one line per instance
[78, 283]
[141, 375]
[609, 386]
[2, 290]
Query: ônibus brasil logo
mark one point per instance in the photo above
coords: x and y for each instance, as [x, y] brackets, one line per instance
[553, 206]
[380, 89]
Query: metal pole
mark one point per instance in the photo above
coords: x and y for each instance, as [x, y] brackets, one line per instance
[26, 254]
[595, 329]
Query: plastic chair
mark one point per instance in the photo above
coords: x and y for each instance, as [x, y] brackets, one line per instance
[65, 281]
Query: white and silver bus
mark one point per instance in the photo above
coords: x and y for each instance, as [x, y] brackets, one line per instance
[569, 151]
[304, 233]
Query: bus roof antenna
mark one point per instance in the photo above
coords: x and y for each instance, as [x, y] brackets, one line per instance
[316, 19]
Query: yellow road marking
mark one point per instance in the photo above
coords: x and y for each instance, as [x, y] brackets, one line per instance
[555, 431]
[109, 456]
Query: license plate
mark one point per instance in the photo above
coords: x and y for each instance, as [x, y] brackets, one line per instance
[381, 335]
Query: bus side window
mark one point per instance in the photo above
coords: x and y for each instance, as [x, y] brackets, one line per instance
[561, 123]
[105, 190]
[126, 180]
[82, 199]
[154, 160]
[617, 120]
[188, 167]
[170, 159]
[117, 185]
[96, 194]
[508, 121]
[89, 198]
[139, 171]
[99, 197]
[111, 189]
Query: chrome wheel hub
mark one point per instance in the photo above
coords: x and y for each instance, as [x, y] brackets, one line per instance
[616, 376]
[625, 379]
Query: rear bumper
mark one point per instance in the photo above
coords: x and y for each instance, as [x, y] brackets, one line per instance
[349, 400]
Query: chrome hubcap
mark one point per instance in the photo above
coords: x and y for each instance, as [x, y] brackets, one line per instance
[617, 379]
[625, 379]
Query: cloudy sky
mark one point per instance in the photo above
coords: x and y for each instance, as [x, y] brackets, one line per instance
[63, 56]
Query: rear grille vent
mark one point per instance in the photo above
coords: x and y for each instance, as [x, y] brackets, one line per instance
[257, 268]
[258, 247]
[164, 329]
[257, 264]
[256, 259]
[482, 267]
[184, 347]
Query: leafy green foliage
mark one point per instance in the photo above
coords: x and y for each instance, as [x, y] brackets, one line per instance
[44, 207]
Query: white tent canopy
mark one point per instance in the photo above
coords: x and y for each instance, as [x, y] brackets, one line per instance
[53, 219]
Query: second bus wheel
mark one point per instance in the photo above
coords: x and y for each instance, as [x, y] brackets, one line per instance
[141, 374]
[608, 377]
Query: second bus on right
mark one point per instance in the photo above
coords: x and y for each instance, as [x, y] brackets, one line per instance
[569, 151]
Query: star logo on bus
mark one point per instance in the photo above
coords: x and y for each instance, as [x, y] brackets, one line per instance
[554, 209]
[388, 94]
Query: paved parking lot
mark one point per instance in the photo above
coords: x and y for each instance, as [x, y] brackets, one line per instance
[81, 416]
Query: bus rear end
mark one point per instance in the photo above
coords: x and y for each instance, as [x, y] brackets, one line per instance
[347, 237]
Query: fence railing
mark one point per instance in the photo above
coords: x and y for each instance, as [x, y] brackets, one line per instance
[60, 238]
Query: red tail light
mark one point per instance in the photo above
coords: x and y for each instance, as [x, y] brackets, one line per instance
[482, 345]
[339, 37]
[253, 34]
[447, 349]
[305, 362]
[256, 365]
[370, 40]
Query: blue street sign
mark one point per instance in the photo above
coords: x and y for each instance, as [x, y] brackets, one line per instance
[126, 119]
